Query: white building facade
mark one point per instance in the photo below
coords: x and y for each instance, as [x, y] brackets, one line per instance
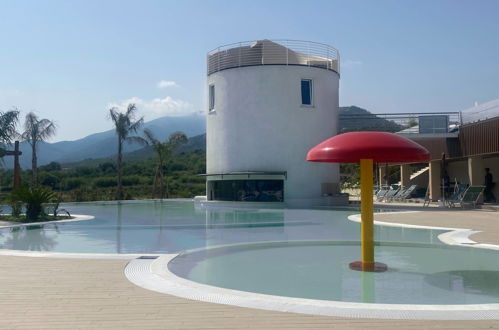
[269, 102]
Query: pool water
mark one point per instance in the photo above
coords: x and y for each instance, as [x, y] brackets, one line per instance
[173, 226]
[287, 252]
[417, 273]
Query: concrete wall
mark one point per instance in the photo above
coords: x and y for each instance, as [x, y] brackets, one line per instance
[259, 124]
[493, 164]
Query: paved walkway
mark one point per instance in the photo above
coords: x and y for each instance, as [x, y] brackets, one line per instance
[52, 293]
[485, 219]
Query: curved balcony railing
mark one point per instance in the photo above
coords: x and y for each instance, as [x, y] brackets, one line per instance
[274, 52]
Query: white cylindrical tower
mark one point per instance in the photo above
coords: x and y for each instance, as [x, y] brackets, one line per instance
[269, 102]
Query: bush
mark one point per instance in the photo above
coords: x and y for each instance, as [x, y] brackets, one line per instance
[52, 166]
[70, 184]
[107, 167]
[105, 182]
[84, 171]
[33, 198]
[16, 208]
[131, 180]
[50, 180]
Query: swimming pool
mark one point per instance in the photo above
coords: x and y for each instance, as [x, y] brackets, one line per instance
[301, 253]
[172, 226]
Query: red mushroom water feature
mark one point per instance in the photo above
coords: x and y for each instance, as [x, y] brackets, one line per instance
[367, 148]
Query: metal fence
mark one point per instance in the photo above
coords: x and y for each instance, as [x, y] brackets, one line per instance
[406, 123]
[273, 52]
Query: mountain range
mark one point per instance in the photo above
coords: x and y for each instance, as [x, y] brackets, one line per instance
[94, 148]
[104, 144]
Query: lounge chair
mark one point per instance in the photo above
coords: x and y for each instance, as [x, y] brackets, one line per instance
[406, 193]
[457, 195]
[399, 193]
[389, 195]
[381, 193]
[470, 196]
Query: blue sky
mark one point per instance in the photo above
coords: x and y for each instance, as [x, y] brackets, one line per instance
[71, 60]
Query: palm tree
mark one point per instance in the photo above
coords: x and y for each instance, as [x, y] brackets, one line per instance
[125, 124]
[8, 123]
[164, 151]
[36, 130]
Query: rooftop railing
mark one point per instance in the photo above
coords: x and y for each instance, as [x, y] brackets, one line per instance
[274, 52]
[403, 123]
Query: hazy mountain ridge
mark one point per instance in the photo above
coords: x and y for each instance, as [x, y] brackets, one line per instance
[101, 147]
[104, 144]
[366, 121]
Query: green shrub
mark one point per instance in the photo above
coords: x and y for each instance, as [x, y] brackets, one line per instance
[33, 198]
[105, 182]
[72, 183]
[131, 180]
[50, 180]
[16, 208]
[52, 166]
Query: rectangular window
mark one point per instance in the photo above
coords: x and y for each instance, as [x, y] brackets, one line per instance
[248, 190]
[306, 92]
[212, 98]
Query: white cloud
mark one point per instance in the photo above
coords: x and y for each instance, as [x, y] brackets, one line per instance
[158, 107]
[351, 63]
[166, 84]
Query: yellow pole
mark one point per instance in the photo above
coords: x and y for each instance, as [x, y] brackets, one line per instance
[366, 206]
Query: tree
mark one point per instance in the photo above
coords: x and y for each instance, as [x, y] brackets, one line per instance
[51, 167]
[163, 150]
[125, 124]
[8, 123]
[412, 122]
[36, 130]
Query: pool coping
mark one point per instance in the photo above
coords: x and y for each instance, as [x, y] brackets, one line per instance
[154, 275]
[74, 217]
[452, 236]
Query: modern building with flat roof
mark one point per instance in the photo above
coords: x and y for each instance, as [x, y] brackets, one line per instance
[462, 144]
[269, 102]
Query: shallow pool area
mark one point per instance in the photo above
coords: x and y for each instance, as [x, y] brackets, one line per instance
[418, 273]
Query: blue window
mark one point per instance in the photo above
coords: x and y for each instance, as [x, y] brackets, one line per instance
[306, 92]
[212, 98]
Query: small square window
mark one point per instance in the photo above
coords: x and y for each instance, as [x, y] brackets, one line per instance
[211, 98]
[306, 92]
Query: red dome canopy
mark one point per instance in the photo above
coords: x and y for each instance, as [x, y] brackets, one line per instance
[381, 147]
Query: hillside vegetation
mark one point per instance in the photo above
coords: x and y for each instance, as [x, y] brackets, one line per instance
[95, 178]
[353, 119]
